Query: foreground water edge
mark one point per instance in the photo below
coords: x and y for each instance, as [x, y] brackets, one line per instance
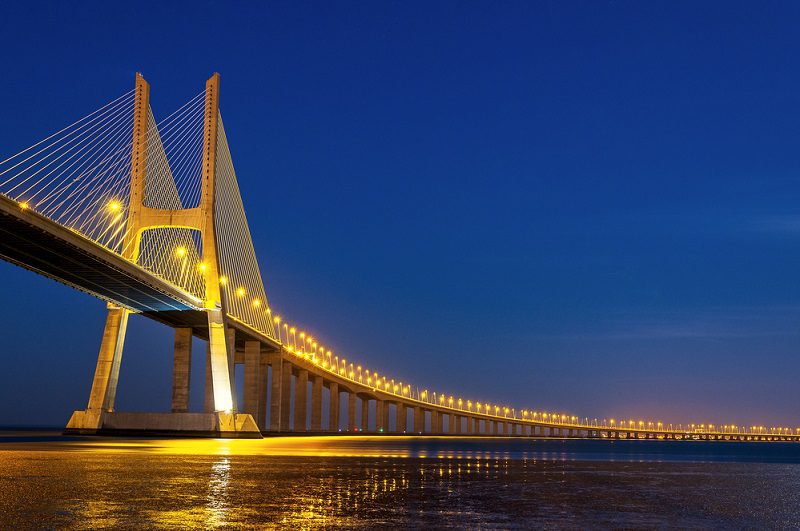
[48, 480]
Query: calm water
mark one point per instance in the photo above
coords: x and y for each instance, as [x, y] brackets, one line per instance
[51, 481]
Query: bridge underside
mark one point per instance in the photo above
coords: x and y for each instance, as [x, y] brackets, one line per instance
[42, 246]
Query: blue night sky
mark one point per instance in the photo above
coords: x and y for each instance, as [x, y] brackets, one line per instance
[588, 207]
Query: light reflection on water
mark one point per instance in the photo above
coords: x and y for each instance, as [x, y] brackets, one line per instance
[218, 492]
[352, 482]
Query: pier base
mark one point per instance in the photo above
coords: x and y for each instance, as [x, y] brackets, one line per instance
[219, 424]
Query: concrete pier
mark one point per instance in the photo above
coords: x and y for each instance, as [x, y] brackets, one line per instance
[316, 403]
[219, 424]
[351, 412]
[230, 344]
[208, 399]
[274, 360]
[401, 420]
[181, 369]
[419, 420]
[286, 395]
[381, 416]
[252, 380]
[301, 401]
[333, 413]
[106, 373]
[364, 414]
[263, 385]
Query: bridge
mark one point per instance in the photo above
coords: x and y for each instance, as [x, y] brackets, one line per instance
[148, 217]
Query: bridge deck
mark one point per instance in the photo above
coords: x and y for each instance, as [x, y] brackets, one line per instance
[33, 242]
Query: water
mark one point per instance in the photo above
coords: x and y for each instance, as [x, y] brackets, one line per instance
[51, 481]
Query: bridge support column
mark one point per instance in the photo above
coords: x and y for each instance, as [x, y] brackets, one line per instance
[401, 419]
[333, 412]
[181, 368]
[316, 403]
[300, 401]
[230, 345]
[351, 411]
[364, 415]
[419, 420]
[208, 400]
[381, 416]
[274, 360]
[106, 373]
[435, 416]
[221, 360]
[455, 424]
[263, 384]
[252, 380]
[471, 425]
[286, 394]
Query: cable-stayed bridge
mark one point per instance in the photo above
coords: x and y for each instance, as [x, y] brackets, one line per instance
[148, 217]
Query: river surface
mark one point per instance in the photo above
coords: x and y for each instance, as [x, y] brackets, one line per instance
[56, 482]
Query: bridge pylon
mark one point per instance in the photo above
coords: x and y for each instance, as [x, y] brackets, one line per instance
[100, 415]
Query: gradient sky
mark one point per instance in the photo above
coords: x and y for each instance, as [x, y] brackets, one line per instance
[588, 207]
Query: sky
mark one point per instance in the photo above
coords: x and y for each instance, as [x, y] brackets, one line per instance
[584, 207]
